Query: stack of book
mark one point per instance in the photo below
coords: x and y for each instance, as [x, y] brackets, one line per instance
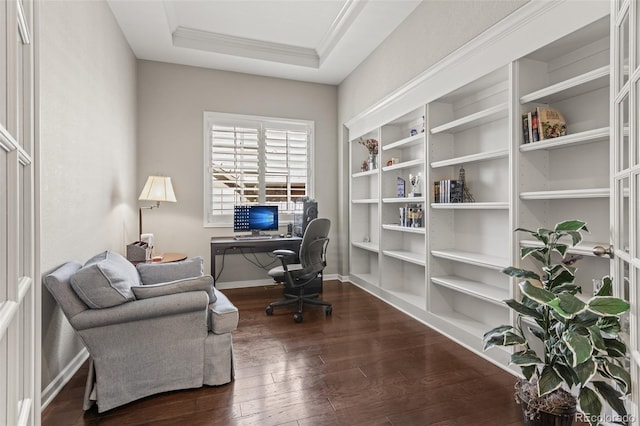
[543, 123]
[447, 191]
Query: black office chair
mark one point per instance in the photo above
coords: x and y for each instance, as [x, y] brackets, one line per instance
[296, 277]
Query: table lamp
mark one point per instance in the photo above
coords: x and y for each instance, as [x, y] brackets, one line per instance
[157, 188]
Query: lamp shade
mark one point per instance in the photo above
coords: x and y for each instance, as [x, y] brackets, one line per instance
[158, 188]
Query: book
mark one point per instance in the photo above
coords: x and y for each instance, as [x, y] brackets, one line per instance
[535, 135]
[551, 123]
[525, 128]
[400, 187]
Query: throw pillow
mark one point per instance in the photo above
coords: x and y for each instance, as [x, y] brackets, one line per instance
[105, 280]
[154, 273]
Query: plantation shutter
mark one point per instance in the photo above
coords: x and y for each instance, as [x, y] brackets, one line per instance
[234, 167]
[286, 166]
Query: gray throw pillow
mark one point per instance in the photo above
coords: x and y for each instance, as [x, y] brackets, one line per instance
[154, 273]
[105, 280]
[203, 283]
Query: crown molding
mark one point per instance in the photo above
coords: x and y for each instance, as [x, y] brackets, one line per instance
[339, 27]
[245, 47]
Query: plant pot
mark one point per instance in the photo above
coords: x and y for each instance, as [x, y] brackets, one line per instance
[544, 413]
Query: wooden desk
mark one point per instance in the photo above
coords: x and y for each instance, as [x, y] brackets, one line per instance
[229, 245]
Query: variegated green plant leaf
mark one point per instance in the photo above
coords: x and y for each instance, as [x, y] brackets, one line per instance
[526, 251]
[495, 340]
[538, 294]
[612, 396]
[571, 225]
[596, 338]
[528, 371]
[564, 277]
[549, 381]
[567, 305]
[523, 309]
[567, 373]
[576, 237]
[579, 345]
[561, 248]
[607, 305]
[590, 405]
[520, 273]
[567, 288]
[620, 375]
[615, 348]
[607, 287]
[525, 358]
[501, 329]
[586, 371]
[609, 325]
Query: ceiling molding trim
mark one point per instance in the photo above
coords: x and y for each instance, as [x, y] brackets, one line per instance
[245, 47]
[346, 17]
[171, 14]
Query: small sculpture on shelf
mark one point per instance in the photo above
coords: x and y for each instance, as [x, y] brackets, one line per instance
[365, 166]
[465, 196]
[415, 180]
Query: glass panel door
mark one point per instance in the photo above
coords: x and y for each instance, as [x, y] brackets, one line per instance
[626, 178]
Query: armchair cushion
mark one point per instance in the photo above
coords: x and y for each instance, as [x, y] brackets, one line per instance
[154, 273]
[203, 283]
[105, 280]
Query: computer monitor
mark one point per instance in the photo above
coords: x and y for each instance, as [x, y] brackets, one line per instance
[255, 218]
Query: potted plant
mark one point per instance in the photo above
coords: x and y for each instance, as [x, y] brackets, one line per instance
[579, 362]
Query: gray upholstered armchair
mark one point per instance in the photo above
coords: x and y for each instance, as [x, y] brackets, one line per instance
[145, 336]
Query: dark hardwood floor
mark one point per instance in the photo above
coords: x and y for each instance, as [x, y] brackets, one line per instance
[367, 364]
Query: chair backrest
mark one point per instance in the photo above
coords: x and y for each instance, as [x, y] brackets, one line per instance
[314, 246]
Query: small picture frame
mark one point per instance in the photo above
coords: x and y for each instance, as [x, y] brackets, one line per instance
[401, 187]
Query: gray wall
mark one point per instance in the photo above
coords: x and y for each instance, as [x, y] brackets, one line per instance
[434, 29]
[88, 157]
[171, 102]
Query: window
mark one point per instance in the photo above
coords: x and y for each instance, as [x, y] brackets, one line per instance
[255, 160]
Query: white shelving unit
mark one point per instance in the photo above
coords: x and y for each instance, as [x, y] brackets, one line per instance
[467, 115]
[568, 177]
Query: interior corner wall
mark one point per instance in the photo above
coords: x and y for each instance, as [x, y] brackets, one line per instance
[171, 102]
[87, 152]
[433, 30]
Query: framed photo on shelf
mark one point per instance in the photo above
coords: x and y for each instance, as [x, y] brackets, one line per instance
[400, 187]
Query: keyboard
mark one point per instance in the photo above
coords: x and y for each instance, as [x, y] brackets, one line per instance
[252, 237]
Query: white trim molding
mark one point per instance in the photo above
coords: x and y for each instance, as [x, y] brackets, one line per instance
[245, 47]
[63, 378]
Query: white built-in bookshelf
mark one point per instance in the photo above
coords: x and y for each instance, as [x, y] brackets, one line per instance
[448, 271]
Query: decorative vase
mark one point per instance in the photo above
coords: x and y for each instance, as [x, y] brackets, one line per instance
[373, 162]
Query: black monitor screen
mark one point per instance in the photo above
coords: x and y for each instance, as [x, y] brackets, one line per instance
[255, 218]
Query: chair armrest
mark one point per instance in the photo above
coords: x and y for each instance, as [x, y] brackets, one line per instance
[154, 273]
[137, 310]
[284, 253]
[203, 283]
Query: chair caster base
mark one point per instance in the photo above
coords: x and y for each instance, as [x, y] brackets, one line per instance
[269, 310]
[297, 317]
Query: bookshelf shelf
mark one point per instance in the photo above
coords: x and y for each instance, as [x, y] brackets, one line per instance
[372, 247]
[589, 136]
[566, 193]
[413, 299]
[477, 289]
[409, 200]
[414, 140]
[584, 248]
[404, 165]
[467, 324]
[365, 201]
[407, 256]
[581, 84]
[473, 120]
[407, 229]
[477, 259]
[365, 277]
[365, 174]
[482, 156]
[471, 206]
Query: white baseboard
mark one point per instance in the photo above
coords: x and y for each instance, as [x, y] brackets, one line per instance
[56, 385]
[265, 282]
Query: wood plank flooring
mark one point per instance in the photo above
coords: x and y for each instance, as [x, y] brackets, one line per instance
[366, 364]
